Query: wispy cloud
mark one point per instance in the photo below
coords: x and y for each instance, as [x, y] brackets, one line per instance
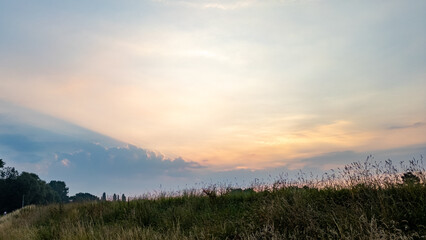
[248, 84]
[228, 4]
[214, 4]
[414, 125]
[65, 162]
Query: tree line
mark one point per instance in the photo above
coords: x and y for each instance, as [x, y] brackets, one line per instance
[21, 189]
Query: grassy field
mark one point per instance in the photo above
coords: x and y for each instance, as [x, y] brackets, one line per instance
[360, 201]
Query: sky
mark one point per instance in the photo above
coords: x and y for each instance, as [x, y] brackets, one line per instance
[175, 92]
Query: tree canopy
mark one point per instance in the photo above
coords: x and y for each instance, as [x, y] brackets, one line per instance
[61, 189]
[18, 189]
[83, 197]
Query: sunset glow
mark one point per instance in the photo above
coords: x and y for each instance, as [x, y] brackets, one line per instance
[229, 85]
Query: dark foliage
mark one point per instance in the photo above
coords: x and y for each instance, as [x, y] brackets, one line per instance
[23, 189]
[83, 197]
[61, 189]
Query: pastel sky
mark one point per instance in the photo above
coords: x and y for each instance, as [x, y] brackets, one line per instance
[214, 85]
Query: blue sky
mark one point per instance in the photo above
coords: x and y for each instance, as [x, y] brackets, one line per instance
[183, 91]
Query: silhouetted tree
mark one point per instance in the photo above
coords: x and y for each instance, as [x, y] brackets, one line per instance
[26, 188]
[83, 197]
[36, 191]
[114, 197]
[61, 189]
[9, 172]
[123, 198]
[103, 197]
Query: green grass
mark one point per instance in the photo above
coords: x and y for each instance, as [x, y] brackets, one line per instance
[376, 205]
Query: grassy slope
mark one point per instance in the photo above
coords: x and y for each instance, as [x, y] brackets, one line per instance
[359, 212]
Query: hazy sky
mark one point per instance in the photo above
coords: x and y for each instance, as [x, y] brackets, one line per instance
[224, 84]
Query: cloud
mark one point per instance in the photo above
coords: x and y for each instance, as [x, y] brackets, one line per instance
[91, 162]
[65, 162]
[128, 162]
[216, 80]
[225, 5]
[168, 79]
[85, 160]
[229, 5]
[331, 160]
[414, 125]
[19, 142]
[215, 4]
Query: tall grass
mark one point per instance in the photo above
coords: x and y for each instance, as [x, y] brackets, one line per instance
[369, 200]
